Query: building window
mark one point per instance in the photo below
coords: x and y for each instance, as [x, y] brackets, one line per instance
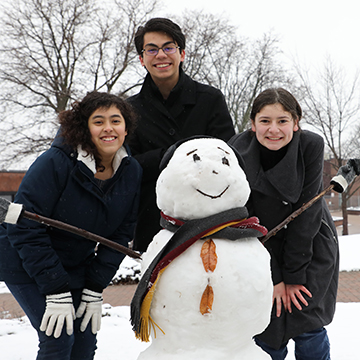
[9, 197]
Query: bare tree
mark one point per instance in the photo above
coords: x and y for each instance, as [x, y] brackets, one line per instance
[54, 51]
[260, 69]
[115, 61]
[241, 68]
[332, 107]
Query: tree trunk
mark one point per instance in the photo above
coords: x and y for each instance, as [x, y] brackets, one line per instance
[345, 230]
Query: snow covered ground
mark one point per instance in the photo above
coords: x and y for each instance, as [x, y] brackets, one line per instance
[18, 340]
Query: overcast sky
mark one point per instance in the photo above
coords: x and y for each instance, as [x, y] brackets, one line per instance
[308, 30]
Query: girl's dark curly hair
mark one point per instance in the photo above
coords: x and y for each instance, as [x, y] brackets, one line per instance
[74, 122]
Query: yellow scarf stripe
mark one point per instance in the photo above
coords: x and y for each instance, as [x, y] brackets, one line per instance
[146, 321]
[220, 227]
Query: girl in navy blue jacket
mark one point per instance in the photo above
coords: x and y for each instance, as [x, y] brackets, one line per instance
[89, 180]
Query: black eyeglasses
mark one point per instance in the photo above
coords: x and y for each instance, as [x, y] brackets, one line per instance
[152, 50]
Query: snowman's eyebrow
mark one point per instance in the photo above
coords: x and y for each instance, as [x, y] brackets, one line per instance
[189, 153]
[226, 152]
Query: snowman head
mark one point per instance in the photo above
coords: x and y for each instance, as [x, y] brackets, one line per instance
[200, 177]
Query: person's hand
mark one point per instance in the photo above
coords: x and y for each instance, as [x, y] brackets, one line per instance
[294, 294]
[91, 305]
[345, 175]
[279, 296]
[59, 308]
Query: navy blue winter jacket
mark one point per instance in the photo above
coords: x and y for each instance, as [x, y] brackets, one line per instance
[60, 186]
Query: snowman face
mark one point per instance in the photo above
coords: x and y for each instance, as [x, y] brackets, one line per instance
[202, 178]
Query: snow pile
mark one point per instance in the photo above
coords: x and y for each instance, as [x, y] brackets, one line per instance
[128, 272]
[116, 339]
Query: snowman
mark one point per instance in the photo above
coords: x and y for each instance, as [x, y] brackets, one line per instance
[206, 288]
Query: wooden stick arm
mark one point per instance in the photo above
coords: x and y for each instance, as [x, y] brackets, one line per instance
[295, 214]
[11, 213]
[81, 232]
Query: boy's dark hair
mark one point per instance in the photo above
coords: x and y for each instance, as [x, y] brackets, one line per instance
[159, 25]
[74, 122]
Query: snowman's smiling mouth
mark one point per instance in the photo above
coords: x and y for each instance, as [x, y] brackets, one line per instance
[213, 196]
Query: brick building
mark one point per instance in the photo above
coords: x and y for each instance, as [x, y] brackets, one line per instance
[9, 183]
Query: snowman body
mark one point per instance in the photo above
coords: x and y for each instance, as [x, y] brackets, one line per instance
[203, 177]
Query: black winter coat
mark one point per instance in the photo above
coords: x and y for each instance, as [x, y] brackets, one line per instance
[60, 186]
[306, 251]
[191, 109]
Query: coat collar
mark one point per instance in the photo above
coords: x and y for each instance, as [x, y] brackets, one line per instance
[183, 93]
[285, 180]
[89, 161]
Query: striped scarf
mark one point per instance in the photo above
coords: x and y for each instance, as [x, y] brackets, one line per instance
[230, 224]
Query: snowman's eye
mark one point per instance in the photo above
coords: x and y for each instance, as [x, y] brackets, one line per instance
[196, 157]
[225, 161]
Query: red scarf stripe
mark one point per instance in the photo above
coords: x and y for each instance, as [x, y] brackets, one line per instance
[171, 219]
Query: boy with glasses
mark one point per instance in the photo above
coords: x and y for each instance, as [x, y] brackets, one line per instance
[171, 106]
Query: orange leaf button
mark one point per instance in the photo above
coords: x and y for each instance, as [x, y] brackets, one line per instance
[208, 255]
[207, 300]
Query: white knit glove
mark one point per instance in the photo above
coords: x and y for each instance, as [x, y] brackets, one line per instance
[91, 304]
[59, 308]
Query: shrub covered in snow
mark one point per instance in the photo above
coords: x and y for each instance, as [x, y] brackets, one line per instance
[128, 272]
